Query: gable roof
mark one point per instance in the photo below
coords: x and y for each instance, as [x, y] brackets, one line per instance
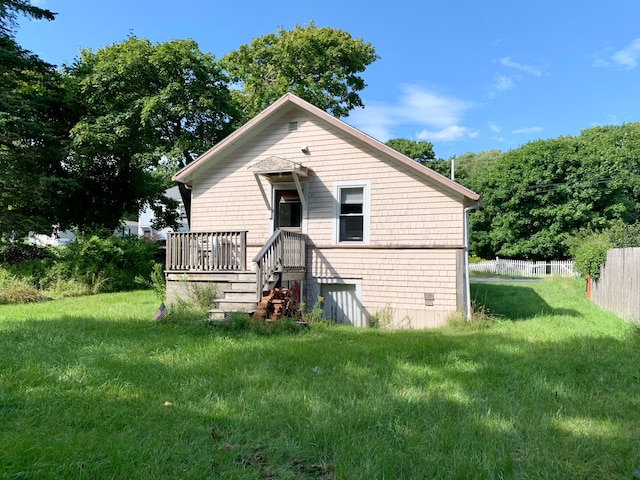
[290, 101]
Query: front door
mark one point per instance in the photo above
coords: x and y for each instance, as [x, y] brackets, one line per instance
[288, 211]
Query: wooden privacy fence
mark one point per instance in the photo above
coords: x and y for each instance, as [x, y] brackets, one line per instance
[618, 288]
[524, 268]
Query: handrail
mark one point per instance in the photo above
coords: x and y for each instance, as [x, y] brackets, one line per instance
[207, 251]
[284, 251]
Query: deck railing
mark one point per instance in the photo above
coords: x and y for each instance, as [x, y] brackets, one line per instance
[284, 251]
[207, 251]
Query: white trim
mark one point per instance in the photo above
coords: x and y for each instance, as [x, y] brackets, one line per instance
[366, 186]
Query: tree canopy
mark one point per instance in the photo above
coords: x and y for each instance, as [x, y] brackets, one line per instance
[539, 195]
[419, 150]
[34, 123]
[147, 109]
[99, 139]
[319, 64]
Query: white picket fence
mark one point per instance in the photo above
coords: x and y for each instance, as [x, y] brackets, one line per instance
[524, 268]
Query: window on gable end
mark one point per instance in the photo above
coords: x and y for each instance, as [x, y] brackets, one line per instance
[352, 216]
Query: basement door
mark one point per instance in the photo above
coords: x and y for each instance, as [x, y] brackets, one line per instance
[342, 303]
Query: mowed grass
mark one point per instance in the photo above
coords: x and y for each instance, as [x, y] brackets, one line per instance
[550, 390]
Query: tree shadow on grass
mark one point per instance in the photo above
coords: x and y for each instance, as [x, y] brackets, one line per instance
[335, 403]
[513, 302]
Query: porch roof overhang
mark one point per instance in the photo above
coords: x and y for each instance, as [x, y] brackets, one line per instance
[276, 169]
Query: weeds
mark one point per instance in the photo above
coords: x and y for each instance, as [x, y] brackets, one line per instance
[159, 281]
[202, 295]
[313, 315]
[480, 317]
[385, 318]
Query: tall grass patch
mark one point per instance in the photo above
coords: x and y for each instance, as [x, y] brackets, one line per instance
[87, 265]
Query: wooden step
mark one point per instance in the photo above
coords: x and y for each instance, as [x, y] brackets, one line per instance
[236, 305]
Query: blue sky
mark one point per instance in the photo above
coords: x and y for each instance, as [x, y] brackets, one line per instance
[465, 75]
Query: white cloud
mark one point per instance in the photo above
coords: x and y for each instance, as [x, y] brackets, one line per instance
[528, 130]
[629, 56]
[502, 83]
[448, 134]
[530, 69]
[494, 128]
[418, 107]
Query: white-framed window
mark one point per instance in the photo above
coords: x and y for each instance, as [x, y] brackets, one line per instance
[352, 207]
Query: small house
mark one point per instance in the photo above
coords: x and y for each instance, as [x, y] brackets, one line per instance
[299, 199]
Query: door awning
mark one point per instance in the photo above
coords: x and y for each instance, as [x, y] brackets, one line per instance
[274, 168]
[277, 170]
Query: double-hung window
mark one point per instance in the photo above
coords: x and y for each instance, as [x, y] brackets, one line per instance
[352, 216]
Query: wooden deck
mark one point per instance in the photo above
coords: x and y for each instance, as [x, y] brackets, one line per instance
[207, 251]
[221, 258]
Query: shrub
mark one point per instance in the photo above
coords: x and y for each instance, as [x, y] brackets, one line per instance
[589, 251]
[12, 252]
[382, 318]
[475, 259]
[625, 235]
[158, 281]
[108, 264]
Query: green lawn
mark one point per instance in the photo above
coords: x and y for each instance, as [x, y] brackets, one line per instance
[551, 390]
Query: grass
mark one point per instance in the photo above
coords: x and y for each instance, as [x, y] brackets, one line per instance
[550, 390]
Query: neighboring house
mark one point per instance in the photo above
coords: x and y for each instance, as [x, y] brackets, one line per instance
[58, 238]
[146, 218]
[299, 198]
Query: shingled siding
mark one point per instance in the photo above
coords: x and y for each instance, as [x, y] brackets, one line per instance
[618, 288]
[404, 208]
[397, 278]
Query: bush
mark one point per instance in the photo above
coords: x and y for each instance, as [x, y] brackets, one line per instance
[89, 264]
[159, 281]
[11, 252]
[589, 251]
[625, 235]
[110, 264]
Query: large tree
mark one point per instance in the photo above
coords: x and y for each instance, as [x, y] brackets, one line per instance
[419, 150]
[34, 122]
[539, 195]
[470, 167]
[319, 64]
[148, 110]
